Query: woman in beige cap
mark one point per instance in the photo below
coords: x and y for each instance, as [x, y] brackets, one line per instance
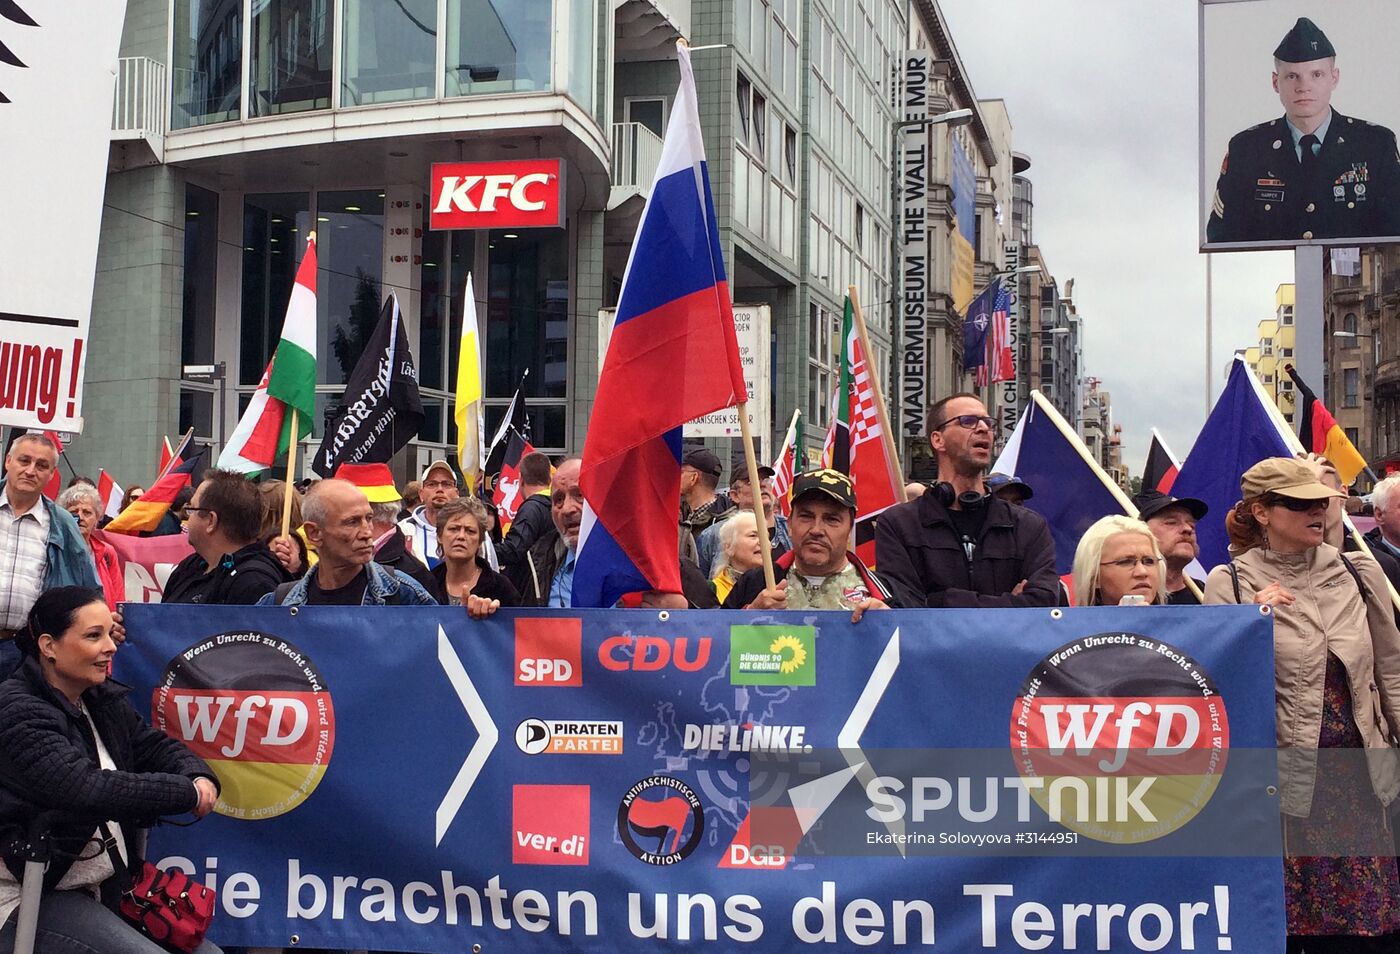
[1337, 679]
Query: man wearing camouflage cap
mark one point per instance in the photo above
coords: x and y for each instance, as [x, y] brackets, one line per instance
[1312, 173]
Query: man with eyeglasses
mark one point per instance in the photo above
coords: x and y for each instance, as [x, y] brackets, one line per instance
[230, 565]
[438, 486]
[1172, 521]
[956, 545]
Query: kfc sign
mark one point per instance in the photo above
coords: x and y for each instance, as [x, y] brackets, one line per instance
[524, 193]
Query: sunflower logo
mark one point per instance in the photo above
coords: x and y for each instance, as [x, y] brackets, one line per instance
[793, 652]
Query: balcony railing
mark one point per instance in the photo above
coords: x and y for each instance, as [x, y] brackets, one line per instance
[139, 107]
[636, 152]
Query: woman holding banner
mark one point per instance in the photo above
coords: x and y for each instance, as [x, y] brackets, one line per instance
[462, 524]
[71, 744]
[1118, 563]
[1337, 677]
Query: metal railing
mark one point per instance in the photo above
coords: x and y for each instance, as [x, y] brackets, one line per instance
[636, 152]
[139, 106]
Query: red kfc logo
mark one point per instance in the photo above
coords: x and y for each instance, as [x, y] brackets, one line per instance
[549, 652]
[549, 825]
[520, 193]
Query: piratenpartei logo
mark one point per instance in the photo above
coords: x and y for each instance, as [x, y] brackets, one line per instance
[1124, 736]
[660, 820]
[255, 708]
[568, 737]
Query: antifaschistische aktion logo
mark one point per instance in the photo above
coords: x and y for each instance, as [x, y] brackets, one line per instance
[255, 708]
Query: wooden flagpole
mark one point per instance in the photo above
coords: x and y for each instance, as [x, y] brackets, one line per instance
[891, 451]
[751, 460]
[291, 468]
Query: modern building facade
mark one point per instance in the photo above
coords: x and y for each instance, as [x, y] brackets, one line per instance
[1362, 351]
[1274, 350]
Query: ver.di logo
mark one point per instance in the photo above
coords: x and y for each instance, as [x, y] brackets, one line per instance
[773, 655]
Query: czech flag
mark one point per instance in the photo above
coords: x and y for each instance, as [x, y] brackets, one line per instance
[673, 356]
[1071, 489]
[1241, 431]
[1321, 434]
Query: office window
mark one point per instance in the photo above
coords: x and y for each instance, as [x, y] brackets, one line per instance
[350, 256]
[1349, 326]
[274, 237]
[743, 92]
[207, 63]
[498, 46]
[1351, 381]
[1353, 435]
[860, 226]
[760, 126]
[389, 51]
[291, 54]
[790, 153]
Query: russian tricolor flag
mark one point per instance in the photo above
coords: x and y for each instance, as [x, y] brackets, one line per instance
[672, 357]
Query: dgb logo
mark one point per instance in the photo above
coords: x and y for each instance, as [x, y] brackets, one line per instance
[269, 740]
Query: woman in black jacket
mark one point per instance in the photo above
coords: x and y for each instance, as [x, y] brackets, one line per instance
[463, 572]
[70, 742]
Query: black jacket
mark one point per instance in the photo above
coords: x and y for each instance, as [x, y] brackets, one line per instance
[241, 578]
[48, 761]
[1264, 193]
[921, 554]
[532, 521]
[490, 585]
[541, 563]
[394, 554]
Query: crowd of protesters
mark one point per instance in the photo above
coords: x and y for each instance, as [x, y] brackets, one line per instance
[968, 540]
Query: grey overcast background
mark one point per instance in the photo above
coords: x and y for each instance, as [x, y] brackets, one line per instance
[1103, 99]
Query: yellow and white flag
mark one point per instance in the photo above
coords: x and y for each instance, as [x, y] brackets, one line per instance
[467, 407]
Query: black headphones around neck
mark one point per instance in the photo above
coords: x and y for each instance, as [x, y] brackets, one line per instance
[946, 494]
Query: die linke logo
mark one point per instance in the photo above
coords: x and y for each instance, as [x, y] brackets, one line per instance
[660, 820]
[1126, 737]
[548, 652]
[549, 825]
[654, 653]
[520, 193]
[270, 739]
[564, 737]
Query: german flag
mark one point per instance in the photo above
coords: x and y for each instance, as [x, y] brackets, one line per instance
[1320, 433]
[146, 511]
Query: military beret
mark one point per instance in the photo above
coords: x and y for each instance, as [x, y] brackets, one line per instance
[1304, 43]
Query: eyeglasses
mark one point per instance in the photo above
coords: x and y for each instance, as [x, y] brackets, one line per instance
[1128, 563]
[1293, 503]
[198, 510]
[439, 484]
[969, 421]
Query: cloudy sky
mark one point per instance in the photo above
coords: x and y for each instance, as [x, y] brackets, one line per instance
[1103, 98]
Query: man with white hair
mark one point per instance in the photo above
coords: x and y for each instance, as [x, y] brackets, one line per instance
[1385, 501]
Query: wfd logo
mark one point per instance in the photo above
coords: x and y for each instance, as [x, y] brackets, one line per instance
[270, 745]
[1120, 737]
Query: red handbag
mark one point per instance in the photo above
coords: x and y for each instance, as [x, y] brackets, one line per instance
[169, 907]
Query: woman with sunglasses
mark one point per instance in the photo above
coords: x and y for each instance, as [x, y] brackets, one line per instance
[1337, 687]
[1118, 562]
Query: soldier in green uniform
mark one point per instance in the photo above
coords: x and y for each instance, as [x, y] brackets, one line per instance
[1313, 173]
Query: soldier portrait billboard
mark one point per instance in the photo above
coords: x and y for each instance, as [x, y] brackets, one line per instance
[1300, 100]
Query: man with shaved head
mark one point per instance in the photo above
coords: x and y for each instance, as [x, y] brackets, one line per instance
[339, 524]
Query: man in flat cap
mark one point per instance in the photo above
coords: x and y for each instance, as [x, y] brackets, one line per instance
[1313, 173]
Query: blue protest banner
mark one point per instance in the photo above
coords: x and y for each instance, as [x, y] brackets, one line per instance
[408, 779]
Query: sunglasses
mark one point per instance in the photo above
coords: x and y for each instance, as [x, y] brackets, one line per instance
[969, 421]
[1293, 503]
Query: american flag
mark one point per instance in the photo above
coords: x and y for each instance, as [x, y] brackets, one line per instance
[999, 363]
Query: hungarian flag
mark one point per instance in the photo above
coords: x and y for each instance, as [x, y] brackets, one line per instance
[506, 494]
[786, 465]
[1159, 473]
[859, 440]
[111, 493]
[382, 409]
[146, 511]
[1321, 434]
[265, 432]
